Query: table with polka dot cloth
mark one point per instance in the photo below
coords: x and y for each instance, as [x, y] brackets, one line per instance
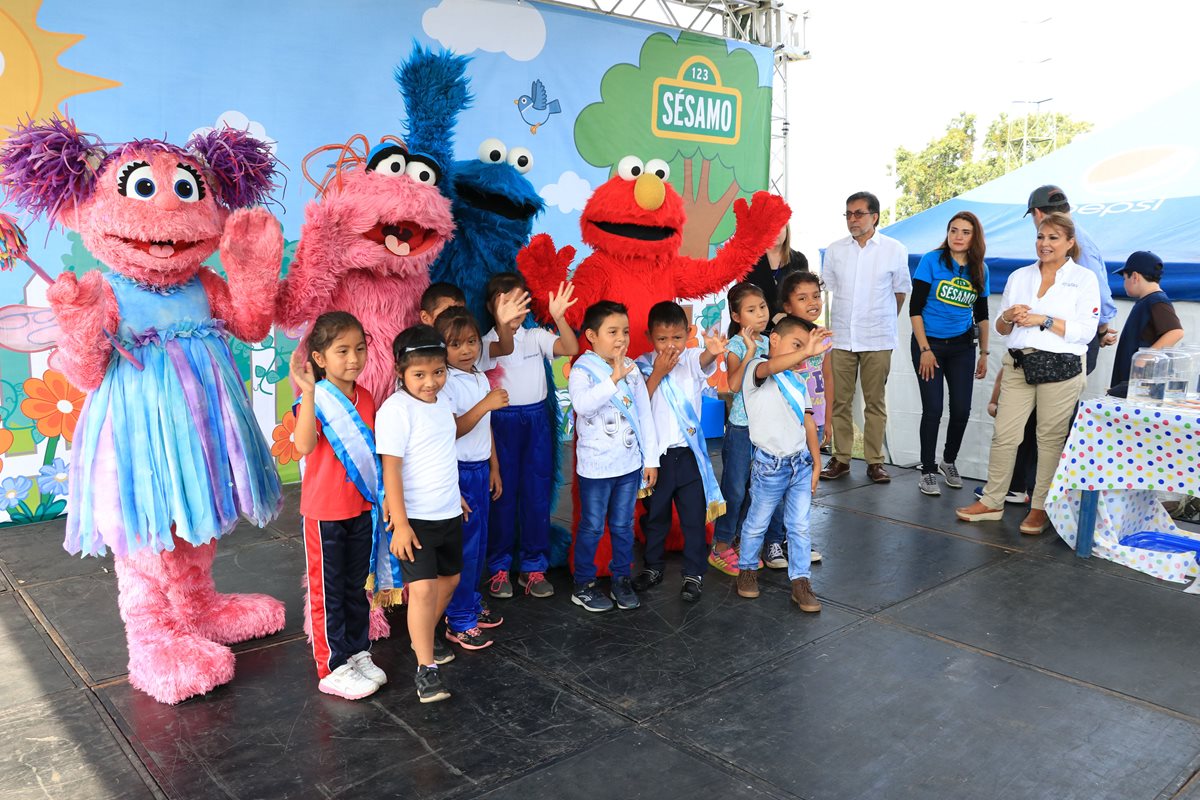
[1120, 455]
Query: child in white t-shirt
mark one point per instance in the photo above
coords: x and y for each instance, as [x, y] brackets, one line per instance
[524, 437]
[472, 400]
[414, 436]
[785, 448]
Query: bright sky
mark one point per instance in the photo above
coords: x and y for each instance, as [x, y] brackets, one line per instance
[886, 74]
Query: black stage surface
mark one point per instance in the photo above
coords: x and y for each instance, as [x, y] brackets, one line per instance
[950, 661]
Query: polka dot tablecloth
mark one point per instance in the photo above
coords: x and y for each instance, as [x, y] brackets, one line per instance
[1127, 453]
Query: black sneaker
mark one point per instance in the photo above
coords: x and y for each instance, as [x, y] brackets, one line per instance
[430, 688]
[442, 654]
[488, 617]
[648, 578]
[622, 592]
[590, 597]
[690, 592]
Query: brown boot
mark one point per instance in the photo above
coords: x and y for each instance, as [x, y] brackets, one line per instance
[802, 595]
[747, 583]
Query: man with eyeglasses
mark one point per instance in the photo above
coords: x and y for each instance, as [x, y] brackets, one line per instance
[867, 274]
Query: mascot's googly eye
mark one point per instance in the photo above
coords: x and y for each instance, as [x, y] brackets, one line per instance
[630, 167]
[520, 159]
[391, 159]
[137, 181]
[422, 171]
[656, 166]
[493, 151]
[189, 187]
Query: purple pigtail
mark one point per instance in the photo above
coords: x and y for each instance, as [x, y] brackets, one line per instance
[48, 164]
[242, 168]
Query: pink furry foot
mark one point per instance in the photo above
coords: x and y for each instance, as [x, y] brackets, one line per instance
[378, 626]
[171, 666]
[233, 618]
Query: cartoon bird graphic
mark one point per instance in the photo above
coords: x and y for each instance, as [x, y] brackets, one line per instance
[534, 108]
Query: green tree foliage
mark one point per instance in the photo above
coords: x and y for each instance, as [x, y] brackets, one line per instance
[950, 164]
[620, 124]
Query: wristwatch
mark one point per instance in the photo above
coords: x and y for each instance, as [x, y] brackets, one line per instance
[1047, 323]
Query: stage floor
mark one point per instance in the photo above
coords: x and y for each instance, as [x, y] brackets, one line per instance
[950, 661]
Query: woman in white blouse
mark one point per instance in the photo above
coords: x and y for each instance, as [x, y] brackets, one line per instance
[1050, 313]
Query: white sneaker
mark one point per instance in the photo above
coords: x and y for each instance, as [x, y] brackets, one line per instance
[814, 557]
[366, 667]
[1017, 498]
[775, 559]
[347, 682]
[929, 484]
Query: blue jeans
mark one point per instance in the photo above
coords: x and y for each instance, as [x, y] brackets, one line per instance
[736, 455]
[775, 483]
[524, 442]
[616, 500]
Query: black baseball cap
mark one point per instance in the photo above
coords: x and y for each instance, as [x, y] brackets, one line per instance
[1145, 263]
[1043, 196]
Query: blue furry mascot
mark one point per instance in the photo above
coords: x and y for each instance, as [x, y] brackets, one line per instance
[494, 205]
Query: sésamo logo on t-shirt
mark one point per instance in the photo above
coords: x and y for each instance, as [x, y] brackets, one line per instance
[957, 291]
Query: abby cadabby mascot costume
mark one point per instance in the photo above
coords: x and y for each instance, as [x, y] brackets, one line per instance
[168, 455]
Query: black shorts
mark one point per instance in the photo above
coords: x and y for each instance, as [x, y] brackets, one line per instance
[441, 550]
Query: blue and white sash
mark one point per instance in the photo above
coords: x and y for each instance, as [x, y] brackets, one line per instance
[600, 371]
[354, 445]
[689, 423]
[794, 391]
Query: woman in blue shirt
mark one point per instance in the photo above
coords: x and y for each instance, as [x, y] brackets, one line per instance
[949, 299]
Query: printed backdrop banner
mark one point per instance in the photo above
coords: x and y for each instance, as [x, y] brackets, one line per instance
[318, 73]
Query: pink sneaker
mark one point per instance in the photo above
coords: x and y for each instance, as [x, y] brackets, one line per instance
[724, 560]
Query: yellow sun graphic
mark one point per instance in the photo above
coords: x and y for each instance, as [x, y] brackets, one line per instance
[32, 83]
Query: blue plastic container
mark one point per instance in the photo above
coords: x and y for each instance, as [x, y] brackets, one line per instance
[712, 417]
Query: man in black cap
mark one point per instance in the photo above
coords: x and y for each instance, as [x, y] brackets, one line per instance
[1152, 321]
[1046, 199]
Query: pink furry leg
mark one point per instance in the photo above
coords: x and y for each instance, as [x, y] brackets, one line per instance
[222, 618]
[166, 660]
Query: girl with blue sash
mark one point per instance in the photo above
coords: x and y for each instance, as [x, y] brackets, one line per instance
[339, 502]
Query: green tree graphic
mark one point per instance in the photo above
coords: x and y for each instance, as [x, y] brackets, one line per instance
[621, 124]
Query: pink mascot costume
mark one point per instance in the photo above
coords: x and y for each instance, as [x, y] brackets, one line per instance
[168, 454]
[380, 220]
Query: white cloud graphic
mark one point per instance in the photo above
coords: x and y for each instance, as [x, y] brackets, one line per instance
[489, 25]
[240, 122]
[569, 194]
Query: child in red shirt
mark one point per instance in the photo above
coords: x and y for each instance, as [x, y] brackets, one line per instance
[335, 419]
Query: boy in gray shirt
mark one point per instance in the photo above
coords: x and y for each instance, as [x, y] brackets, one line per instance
[785, 448]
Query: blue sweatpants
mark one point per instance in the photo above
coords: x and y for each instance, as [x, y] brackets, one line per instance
[524, 446]
[465, 603]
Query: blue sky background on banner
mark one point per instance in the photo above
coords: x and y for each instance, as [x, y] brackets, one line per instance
[315, 73]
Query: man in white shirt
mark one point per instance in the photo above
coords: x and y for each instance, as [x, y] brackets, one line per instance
[866, 273]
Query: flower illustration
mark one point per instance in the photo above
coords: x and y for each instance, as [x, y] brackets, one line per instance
[6, 440]
[52, 479]
[284, 446]
[54, 403]
[13, 491]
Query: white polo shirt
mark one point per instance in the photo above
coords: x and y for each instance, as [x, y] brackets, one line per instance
[691, 378]
[524, 375]
[864, 282]
[423, 435]
[463, 391]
